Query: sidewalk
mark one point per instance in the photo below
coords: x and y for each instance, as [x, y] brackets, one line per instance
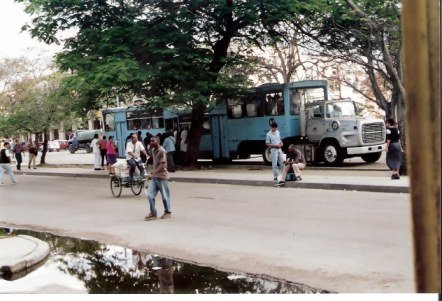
[372, 181]
[20, 255]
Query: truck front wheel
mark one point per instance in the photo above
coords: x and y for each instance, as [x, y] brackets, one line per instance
[331, 153]
[72, 149]
[371, 158]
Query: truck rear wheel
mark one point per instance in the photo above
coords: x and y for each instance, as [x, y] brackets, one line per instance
[331, 153]
[88, 148]
[372, 157]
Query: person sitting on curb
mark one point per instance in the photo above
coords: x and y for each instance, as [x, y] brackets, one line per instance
[296, 161]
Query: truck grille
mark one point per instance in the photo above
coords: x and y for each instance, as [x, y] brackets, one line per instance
[373, 132]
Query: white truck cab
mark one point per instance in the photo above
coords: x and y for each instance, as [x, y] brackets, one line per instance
[337, 133]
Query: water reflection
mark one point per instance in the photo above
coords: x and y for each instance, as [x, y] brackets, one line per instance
[91, 267]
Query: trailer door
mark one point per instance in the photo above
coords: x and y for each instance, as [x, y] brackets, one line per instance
[219, 137]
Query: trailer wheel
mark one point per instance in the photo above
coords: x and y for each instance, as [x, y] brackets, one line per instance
[266, 156]
[331, 153]
[371, 158]
[88, 148]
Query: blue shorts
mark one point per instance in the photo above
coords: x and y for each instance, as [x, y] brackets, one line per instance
[111, 159]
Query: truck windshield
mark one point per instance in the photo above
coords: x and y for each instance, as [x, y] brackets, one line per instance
[340, 109]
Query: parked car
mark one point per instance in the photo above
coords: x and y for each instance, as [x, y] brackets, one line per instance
[53, 146]
[64, 144]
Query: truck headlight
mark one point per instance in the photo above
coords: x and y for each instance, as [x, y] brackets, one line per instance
[335, 125]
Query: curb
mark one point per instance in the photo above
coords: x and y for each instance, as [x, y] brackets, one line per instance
[38, 252]
[325, 186]
[259, 166]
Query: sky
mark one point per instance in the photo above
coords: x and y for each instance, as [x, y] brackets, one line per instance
[13, 42]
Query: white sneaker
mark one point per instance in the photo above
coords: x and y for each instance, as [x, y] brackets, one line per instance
[1, 184]
[13, 183]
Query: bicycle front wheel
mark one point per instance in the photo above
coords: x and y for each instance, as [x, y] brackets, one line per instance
[116, 186]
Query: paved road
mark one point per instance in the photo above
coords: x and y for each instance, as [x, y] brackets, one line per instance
[343, 241]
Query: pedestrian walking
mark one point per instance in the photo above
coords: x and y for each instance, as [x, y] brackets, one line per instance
[169, 146]
[103, 150]
[274, 142]
[5, 163]
[295, 162]
[159, 181]
[394, 149]
[95, 144]
[17, 153]
[33, 152]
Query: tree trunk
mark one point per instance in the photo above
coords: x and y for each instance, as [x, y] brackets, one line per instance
[45, 148]
[218, 62]
[194, 136]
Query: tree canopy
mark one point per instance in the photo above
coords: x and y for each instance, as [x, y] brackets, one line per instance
[367, 33]
[177, 52]
[165, 51]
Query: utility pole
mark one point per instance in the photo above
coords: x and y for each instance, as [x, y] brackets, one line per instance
[421, 40]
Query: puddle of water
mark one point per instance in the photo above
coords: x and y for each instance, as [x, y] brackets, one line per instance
[85, 266]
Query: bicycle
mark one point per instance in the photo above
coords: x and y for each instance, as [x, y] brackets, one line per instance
[121, 179]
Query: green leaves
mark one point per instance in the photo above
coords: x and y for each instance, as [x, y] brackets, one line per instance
[157, 49]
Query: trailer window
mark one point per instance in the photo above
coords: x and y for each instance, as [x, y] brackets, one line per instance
[295, 99]
[109, 124]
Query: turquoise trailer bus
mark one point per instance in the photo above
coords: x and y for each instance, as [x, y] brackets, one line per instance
[236, 127]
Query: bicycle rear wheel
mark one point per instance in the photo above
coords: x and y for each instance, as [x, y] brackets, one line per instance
[116, 186]
[137, 188]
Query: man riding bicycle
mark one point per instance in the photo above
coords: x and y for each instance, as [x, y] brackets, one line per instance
[134, 148]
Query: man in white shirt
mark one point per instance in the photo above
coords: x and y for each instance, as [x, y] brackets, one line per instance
[95, 144]
[183, 144]
[134, 148]
[273, 140]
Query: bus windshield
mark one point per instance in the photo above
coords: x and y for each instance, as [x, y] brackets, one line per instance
[340, 109]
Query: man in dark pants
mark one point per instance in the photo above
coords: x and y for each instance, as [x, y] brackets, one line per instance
[134, 148]
[169, 146]
[103, 150]
[18, 153]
